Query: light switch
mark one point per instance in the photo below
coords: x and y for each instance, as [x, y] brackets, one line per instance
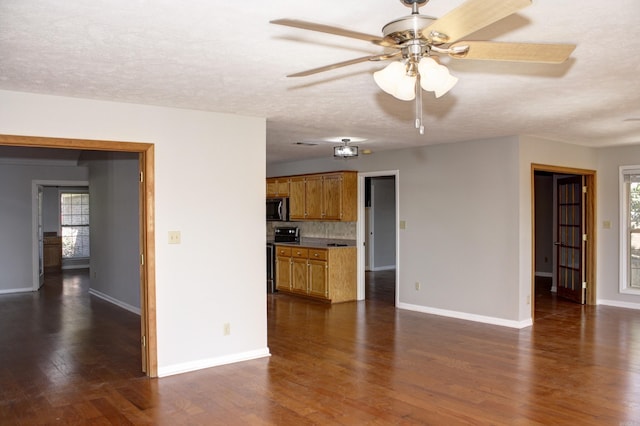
[606, 224]
[403, 224]
[174, 237]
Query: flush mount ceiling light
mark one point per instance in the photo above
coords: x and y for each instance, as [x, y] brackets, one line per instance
[346, 150]
[417, 41]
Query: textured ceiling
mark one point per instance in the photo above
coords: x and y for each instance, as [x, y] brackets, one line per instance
[224, 56]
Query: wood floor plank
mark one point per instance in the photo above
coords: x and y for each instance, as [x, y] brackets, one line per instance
[76, 361]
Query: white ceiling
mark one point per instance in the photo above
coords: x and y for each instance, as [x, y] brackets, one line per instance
[224, 56]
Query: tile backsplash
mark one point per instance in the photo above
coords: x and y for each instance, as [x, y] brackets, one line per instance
[339, 230]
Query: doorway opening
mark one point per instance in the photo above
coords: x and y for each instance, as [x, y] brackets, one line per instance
[377, 235]
[145, 151]
[563, 237]
[52, 251]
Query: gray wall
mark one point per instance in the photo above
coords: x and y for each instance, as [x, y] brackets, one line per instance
[115, 229]
[383, 195]
[459, 204]
[469, 225]
[609, 161]
[16, 219]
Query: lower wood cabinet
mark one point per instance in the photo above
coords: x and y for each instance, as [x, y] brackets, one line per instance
[326, 274]
[317, 284]
[52, 253]
[283, 268]
[299, 270]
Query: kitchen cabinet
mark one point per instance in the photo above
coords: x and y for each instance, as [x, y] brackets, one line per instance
[283, 268]
[318, 267]
[339, 196]
[52, 253]
[277, 187]
[313, 208]
[299, 270]
[324, 197]
[327, 274]
[297, 198]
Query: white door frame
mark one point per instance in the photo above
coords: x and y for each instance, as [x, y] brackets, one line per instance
[369, 261]
[40, 234]
[35, 245]
[361, 233]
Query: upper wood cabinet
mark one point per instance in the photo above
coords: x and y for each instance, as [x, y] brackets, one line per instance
[277, 187]
[340, 196]
[297, 198]
[313, 197]
[323, 196]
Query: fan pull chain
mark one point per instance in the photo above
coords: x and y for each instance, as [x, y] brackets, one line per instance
[419, 120]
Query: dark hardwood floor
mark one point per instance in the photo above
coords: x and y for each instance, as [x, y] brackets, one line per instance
[68, 358]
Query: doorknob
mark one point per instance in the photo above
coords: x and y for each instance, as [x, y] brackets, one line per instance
[557, 243]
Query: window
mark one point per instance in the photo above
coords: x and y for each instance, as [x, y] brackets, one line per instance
[74, 219]
[630, 229]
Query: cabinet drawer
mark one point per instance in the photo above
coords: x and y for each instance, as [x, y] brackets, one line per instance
[283, 251]
[300, 252]
[317, 254]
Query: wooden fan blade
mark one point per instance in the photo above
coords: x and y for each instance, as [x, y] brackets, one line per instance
[469, 17]
[517, 52]
[332, 30]
[344, 64]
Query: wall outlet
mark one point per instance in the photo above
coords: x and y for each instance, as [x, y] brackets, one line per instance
[528, 300]
[417, 286]
[226, 329]
[174, 237]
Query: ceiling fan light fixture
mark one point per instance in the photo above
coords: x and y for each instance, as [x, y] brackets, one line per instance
[416, 36]
[393, 79]
[435, 77]
[446, 85]
[406, 88]
[387, 78]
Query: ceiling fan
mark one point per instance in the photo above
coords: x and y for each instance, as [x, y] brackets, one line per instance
[418, 40]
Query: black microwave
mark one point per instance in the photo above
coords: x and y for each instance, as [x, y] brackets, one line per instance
[278, 209]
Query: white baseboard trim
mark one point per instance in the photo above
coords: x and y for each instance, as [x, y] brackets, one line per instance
[186, 367]
[383, 268]
[81, 266]
[16, 290]
[466, 316]
[116, 302]
[544, 274]
[618, 304]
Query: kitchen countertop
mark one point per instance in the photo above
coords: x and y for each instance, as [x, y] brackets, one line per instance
[321, 243]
